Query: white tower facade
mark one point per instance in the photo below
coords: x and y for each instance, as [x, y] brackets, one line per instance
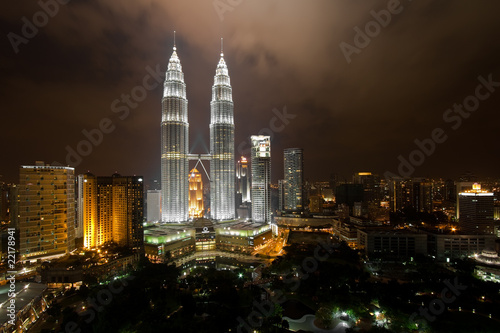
[174, 145]
[261, 178]
[222, 164]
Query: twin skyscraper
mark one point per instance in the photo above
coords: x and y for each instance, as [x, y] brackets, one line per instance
[175, 145]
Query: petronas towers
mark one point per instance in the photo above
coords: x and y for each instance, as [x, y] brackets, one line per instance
[175, 145]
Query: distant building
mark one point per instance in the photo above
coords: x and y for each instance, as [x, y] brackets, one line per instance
[422, 195]
[372, 192]
[400, 193]
[243, 179]
[476, 211]
[153, 204]
[113, 210]
[392, 243]
[46, 210]
[281, 195]
[460, 187]
[261, 178]
[4, 202]
[453, 245]
[315, 204]
[9, 201]
[293, 163]
[416, 193]
[196, 208]
[316, 222]
[348, 194]
[244, 211]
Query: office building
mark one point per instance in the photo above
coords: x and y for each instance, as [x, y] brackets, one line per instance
[422, 195]
[372, 191]
[222, 167]
[174, 144]
[261, 178]
[392, 243]
[293, 163]
[175, 154]
[243, 179]
[153, 203]
[281, 195]
[476, 211]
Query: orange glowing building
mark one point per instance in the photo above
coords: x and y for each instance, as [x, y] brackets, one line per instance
[195, 194]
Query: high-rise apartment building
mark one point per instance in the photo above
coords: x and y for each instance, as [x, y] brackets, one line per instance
[261, 178]
[294, 179]
[423, 195]
[112, 210]
[222, 168]
[174, 144]
[46, 210]
[372, 191]
[476, 211]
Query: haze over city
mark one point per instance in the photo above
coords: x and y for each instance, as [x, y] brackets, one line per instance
[349, 111]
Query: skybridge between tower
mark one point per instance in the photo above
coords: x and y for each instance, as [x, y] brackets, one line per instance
[199, 158]
[196, 157]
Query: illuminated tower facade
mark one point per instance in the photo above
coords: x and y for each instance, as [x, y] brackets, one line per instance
[46, 210]
[174, 144]
[261, 178]
[294, 179]
[476, 211]
[222, 166]
[242, 178]
[195, 194]
[111, 210]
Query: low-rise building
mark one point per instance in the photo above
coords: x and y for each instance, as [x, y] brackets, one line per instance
[392, 242]
[164, 242]
[447, 245]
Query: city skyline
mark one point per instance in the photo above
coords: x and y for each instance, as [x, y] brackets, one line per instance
[278, 68]
[250, 166]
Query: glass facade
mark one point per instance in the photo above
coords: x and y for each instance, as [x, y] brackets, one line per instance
[294, 178]
[261, 178]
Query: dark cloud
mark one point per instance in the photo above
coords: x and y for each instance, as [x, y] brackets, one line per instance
[349, 117]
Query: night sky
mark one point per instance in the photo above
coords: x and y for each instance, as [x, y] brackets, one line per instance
[349, 114]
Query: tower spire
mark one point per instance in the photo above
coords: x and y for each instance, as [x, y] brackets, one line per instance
[221, 47]
[175, 48]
